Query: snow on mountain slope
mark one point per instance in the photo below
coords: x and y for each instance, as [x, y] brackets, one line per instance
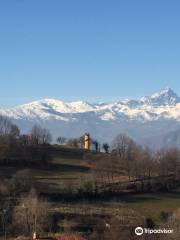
[142, 119]
[46, 109]
[162, 105]
[80, 106]
[165, 97]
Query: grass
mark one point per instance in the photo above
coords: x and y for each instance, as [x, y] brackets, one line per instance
[151, 205]
[67, 170]
[64, 168]
[148, 205]
[61, 172]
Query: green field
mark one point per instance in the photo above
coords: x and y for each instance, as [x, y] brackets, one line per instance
[69, 170]
[151, 205]
[66, 170]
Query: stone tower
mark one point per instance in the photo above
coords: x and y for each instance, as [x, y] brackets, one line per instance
[86, 141]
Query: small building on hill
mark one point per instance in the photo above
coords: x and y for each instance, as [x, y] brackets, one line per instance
[87, 141]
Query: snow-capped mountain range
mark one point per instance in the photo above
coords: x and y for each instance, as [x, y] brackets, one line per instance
[163, 104]
[142, 119]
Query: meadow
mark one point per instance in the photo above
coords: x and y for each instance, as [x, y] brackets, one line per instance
[67, 169]
[59, 180]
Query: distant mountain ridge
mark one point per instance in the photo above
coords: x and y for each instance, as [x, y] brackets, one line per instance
[144, 118]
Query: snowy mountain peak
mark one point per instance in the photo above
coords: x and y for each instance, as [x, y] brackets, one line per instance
[166, 92]
[165, 96]
[46, 104]
[141, 118]
[160, 105]
[80, 106]
[54, 106]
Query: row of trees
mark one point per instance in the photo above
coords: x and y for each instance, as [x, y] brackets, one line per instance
[130, 163]
[10, 133]
[17, 148]
[40, 136]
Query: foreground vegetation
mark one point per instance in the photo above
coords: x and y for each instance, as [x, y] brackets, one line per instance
[62, 189]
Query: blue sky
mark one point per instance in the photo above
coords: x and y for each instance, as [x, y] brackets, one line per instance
[97, 50]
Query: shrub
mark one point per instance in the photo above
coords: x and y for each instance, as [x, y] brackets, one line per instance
[164, 216]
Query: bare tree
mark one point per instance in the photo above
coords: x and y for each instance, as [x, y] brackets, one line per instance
[124, 147]
[5, 216]
[61, 140]
[40, 135]
[96, 145]
[8, 131]
[8, 135]
[121, 144]
[106, 147]
[161, 162]
[14, 132]
[46, 136]
[25, 140]
[5, 125]
[81, 141]
[22, 181]
[35, 135]
[31, 214]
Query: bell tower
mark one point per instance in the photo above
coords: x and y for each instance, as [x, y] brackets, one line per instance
[87, 141]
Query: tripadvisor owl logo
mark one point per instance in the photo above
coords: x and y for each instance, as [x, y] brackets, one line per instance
[139, 231]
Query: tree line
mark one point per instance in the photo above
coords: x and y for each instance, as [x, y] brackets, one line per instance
[17, 148]
[131, 165]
